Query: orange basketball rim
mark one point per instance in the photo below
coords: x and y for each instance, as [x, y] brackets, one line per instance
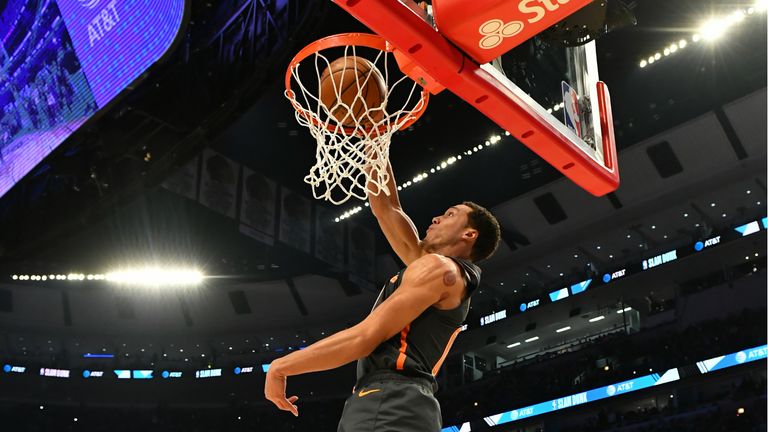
[368, 40]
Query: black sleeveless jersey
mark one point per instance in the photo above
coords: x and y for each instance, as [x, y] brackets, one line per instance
[420, 348]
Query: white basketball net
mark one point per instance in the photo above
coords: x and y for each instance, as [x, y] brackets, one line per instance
[352, 161]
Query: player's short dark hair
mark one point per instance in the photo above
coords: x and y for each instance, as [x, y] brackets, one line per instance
[488, 231]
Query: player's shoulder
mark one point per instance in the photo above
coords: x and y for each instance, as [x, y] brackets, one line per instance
[436, 264]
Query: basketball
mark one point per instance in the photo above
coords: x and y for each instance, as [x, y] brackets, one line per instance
[349, 87]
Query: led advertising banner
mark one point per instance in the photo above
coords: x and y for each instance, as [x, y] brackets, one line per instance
[734, 359]
[62, 61]
[208, 373]
[243, 370]
[14, 369]
[57, 373]
[122, 374]
[142, 374]
[633, 385]
[558, 295]
[496, 316]
[466, 427]
[580, 287]
[582, 398]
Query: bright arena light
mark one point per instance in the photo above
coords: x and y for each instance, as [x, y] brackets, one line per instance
[709, 31]
[713, 29]
[155, 277]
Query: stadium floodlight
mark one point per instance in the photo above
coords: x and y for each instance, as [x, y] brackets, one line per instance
[560, 330]
[513, 345]
[714, 29]
[533, 339]
[598, 318]
[155, 277]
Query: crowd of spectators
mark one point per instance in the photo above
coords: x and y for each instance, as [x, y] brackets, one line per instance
[605, 360]
[626, 357]
[315, 416]
[514, 387]
[43, 73]
[738, 408]
[717, 412]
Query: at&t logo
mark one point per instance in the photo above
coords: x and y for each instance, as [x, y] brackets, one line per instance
[89, 4]
[494, 31]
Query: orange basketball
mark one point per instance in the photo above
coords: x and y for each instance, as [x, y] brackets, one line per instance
[349, 87]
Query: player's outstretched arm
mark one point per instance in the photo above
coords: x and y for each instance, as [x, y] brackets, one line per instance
[397, 227]
[427, 281]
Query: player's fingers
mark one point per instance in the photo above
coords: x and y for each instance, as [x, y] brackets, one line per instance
[294, 409]
[292, 400]
[279, 403]
[275, 401]
[288, 406]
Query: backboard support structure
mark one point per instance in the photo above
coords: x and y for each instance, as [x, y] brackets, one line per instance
[433, 60]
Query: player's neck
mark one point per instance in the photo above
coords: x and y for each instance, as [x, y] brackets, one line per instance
[454, 250]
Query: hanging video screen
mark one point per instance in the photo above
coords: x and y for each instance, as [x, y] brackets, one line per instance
[62, 61]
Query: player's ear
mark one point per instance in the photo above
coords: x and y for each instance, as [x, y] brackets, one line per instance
[470, 234]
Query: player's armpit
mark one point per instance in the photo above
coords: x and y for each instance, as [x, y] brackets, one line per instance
[427, 281]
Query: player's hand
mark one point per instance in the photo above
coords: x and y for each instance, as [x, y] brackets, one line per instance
[274, 391]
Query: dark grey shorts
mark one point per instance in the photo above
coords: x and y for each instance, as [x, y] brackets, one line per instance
[384, 404]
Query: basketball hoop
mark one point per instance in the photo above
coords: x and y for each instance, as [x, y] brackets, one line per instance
[352, 154]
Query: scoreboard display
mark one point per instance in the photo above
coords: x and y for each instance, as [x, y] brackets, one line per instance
[61, 61]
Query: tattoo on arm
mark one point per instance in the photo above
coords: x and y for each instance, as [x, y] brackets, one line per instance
[449, 278]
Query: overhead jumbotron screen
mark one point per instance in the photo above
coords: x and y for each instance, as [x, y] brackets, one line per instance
[62, 61]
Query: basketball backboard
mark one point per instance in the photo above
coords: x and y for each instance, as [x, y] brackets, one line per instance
[452, 44]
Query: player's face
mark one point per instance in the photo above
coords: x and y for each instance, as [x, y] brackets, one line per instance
[448, 227]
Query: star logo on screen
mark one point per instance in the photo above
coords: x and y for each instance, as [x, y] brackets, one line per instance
[89, 4]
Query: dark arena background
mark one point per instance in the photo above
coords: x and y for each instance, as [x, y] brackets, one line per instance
[643, 310]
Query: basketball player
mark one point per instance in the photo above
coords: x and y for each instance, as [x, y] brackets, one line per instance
[401, 345]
